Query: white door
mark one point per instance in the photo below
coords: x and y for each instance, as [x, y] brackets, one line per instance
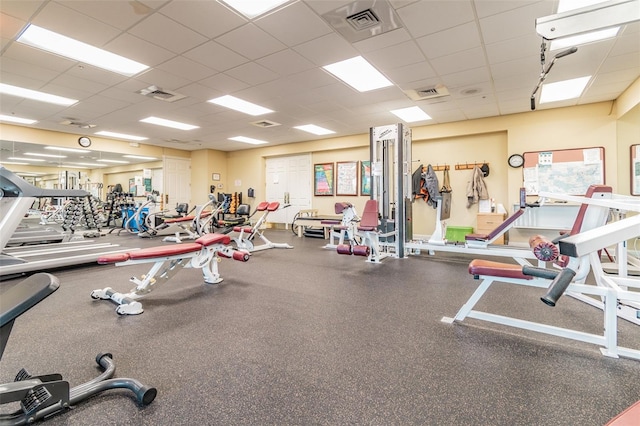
[177, 181]
[289, 176]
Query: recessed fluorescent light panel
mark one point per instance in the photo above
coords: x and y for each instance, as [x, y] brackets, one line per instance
[61, 45]
[139, 157]
[168, 123]
[7, 89]
[13, 119]
[563, 90]
[25, 159]
[237, 104]
[359, 74]
[15, 163]
[576, 40]
[112, 161]
[37, 154]
[248, 140]
[411, 114]
[56, 148]
[120, 136]
[316, 130]
[253, 8]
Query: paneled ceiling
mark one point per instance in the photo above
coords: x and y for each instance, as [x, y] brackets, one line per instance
[484, 53]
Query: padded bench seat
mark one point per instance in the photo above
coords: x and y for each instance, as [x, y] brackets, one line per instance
[479, 267]
[162, 251]
[629, 417]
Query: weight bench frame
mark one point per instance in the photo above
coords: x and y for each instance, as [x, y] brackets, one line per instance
[203, 253]
[247, 235]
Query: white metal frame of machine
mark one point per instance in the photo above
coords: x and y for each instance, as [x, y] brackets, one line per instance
[614, 291]
[391, 187]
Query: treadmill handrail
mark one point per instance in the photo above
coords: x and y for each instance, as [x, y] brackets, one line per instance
[13, 185]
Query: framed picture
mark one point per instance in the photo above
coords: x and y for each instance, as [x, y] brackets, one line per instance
[215, 176]
[323, 179]
[635, 169]
[365, 177]
[347, 178]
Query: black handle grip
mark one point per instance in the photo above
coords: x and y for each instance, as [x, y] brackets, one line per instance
[558, 286]
[533, 271]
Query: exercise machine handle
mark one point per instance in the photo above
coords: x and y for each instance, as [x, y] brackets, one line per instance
[533, 271]
[558, 286]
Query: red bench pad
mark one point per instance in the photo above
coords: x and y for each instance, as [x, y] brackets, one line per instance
[113, 258]
[208, 239]
[162, 251]
[497, 269]
[247, 230]
[628, 417]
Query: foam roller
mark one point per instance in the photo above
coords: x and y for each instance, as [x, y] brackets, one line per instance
[361, 250]
[344, 249]
[543, 248]
[242, 256]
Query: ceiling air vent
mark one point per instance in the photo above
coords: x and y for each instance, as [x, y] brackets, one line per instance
[76, 123]
[363, 20]
[160, 94]
[265, 123]
[438, 91]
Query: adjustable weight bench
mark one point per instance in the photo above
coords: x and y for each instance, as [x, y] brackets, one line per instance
[203, 253]
[42, 396]
[247, 234]
[483, 240]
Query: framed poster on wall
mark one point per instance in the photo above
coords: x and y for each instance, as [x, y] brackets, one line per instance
[347, 178]
[323, 179]
[365, 177]
[635, 169]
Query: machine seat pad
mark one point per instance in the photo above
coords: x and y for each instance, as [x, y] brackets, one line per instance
[476, 237]
[628, 417]
[367, 228]
[262, 206]
[162, 251]
[113, 258]
[179, 219]
[209, 239]
[497, 269]
[273, 206]
[247, 229]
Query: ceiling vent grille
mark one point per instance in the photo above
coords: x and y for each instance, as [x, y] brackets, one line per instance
[424, 93]
[76, 123]
[265, 123]
[161, 94]
[363, 20]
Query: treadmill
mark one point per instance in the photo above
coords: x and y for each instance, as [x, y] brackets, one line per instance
[16, 197]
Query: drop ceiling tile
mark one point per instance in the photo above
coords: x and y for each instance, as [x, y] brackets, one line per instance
[294, 24]
[460, 61]
[224, 84]
[452, 40]
[209, 18]
[326, 50]
[58, 18]
[39, 58]
[250, 41]
[486, 8]
[117, 14]
[513, 23]
[252, 73]
[468, 77]
[390, 38]
[21, 9]
[620, 62]
[403, 54]
[408, 74]
[164, 32]
[16, 67]
[139, 50]
[10, 26]
[626, 43]
[286, 62]
[216, 56]
[185, 67]
[163, 79]
[514, 48]
[428, 17]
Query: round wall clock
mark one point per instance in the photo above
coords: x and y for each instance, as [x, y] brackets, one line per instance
[516, 160]
[84, 141]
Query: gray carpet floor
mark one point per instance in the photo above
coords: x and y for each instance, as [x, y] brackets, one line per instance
[308, 337]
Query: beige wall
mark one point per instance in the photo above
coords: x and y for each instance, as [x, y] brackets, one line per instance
[612, 125]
